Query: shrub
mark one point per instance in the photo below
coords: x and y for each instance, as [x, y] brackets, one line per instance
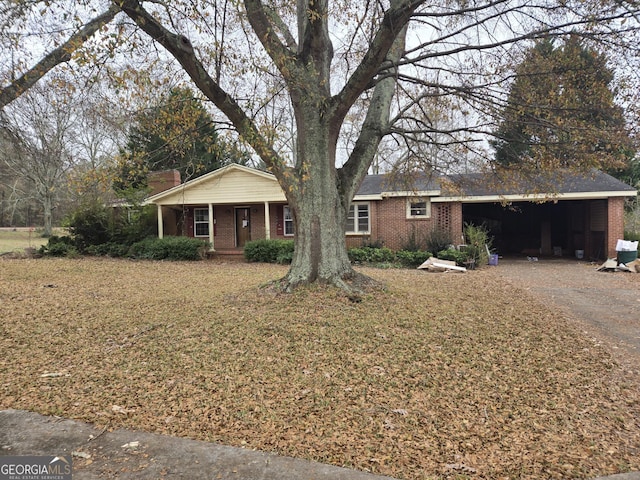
[371, 255]
[109, 249]
[438, 240]
[134, 225]
[410, 258]
[169, 248]
[478, 243]
[461, 257]
[59, 246]
[90, 225]
[269, 251]
[413, 243]
[632, 236]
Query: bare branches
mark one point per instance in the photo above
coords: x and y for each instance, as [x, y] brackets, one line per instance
[57, 56]
[182, 50]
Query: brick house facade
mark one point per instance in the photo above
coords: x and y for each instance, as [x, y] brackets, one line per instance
[247, 204]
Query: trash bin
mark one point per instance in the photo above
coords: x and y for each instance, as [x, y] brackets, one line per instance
[627, 257]
[493, 259]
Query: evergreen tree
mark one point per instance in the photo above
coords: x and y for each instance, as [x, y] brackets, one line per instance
[177, 134]
[561, 112]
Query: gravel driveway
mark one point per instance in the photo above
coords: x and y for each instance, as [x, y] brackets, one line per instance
[606, 304]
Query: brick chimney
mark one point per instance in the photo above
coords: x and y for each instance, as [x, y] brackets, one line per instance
[161, 181]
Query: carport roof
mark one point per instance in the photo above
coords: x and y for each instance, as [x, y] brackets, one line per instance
[594, 184]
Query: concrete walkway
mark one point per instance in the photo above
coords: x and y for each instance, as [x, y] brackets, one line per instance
[130, 455]
[99, 454]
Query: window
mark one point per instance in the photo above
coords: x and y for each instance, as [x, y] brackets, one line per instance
[418, 208]
[358, 218]
[201, 222]
[288, 221]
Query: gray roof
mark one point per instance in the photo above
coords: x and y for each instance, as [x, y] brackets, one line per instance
[377, 184]
[496, 184]
[559, 182]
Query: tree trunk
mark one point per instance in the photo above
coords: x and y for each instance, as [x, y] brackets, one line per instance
[47, 207]
[319, 209]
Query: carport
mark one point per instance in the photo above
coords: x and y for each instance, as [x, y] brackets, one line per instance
[555, 214]
[549, 228]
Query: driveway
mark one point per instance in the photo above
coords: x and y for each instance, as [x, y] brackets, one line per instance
[606, 304]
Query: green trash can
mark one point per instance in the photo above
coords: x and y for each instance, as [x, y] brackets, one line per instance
[627, 257]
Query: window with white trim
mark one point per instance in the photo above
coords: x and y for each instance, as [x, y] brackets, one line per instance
[288, 221]
[201, 222]
[418, 208]
[358, 218]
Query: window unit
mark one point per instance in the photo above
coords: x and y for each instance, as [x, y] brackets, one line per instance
[418, 208]
[358, 218]
[288, 221]
[201, 222]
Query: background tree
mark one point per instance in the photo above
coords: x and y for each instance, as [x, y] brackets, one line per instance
[178, 134]
[263, 62]
[36, 143]
[561, 112]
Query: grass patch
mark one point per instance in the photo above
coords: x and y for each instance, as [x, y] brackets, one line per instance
[438, 376]
[19, 239]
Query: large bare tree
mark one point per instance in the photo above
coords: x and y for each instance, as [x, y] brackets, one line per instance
[37, 132]
[263, 62]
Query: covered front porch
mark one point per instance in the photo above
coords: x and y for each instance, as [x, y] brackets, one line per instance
[227, 207]
[226, 227]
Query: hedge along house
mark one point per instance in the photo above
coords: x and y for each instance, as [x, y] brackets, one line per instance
[235, 204]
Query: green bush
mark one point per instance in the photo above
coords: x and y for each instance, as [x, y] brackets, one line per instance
[478, 243]
[632, 236]
[461, 257]
[438, 240]
[169, 248]
[90, 225]
[59, 246]
[109, 249]
[269, 251]
[371, 255]
[410, 258]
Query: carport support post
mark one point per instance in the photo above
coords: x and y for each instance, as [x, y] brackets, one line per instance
[160, 231]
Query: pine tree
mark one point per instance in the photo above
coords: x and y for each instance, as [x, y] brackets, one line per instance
[561, 112]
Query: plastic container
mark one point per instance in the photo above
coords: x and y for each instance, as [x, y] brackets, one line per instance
[579, 254]
[493, 259]
[627, 257]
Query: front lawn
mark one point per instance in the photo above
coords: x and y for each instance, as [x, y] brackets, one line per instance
[438, 376]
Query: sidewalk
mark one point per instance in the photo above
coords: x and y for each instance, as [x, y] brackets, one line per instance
[115, 454]
[129, 455]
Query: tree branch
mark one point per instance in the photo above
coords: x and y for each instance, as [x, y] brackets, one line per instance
[392, 24]
[62, 54]
[375, 125]
[182, 50]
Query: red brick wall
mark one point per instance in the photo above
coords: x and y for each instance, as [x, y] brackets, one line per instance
[387, 217]
[390, 225]
[615, 224]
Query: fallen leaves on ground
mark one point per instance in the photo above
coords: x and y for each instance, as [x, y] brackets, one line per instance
[436, 376]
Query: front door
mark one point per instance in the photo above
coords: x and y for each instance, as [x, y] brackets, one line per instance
[243, 226]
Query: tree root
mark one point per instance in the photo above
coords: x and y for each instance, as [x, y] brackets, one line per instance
[353, 285]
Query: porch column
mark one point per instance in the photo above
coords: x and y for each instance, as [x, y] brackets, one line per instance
[267, 222]
[211, 227]
[160, 231]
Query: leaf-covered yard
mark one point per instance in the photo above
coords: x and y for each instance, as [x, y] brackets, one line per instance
[438, 376]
